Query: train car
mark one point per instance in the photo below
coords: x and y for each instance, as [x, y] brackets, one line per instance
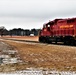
[59, 30]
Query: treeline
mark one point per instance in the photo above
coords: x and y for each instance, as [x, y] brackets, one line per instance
[18, 32]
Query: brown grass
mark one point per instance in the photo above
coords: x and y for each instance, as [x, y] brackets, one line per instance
[33, 38]
[47, 56]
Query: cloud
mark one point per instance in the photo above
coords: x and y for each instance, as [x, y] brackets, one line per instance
[36, 8]
[31, 12]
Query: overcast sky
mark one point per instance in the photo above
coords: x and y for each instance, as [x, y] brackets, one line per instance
[30, 14]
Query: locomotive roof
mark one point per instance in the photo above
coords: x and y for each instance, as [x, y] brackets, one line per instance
[57, 20]
[54, 21]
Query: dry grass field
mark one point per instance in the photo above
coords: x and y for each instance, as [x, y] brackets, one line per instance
[45, 55]
[30, 38]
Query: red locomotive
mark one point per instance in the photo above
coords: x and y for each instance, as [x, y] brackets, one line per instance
[59, 30]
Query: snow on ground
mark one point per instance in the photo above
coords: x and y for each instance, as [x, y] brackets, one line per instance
[39, 72]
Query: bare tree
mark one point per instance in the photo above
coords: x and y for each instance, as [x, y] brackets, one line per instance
[2, 31]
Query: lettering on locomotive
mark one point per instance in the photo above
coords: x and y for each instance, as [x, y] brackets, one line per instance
[67, 26]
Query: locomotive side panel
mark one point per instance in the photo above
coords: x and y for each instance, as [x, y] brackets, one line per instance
[59, 30]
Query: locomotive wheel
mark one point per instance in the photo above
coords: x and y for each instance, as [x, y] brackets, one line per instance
[40, 39]
[66, 42]
[56, 41]
[72, 42]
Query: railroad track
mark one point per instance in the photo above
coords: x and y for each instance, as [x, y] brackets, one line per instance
[37, 42]
[21, 40]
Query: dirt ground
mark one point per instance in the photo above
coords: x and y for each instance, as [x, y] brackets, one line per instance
[46, 55]
[29, 38]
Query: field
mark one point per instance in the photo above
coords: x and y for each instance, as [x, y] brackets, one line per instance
[30, 38]
[38, 55]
